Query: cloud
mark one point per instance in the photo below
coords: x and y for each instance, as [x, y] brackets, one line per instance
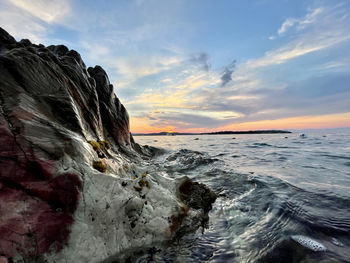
[165, 82]
[299, 48]
[22, 26]
[300, 122]
[202, 59]
[152, 74]
[180, 120]
[321, 27]
[134, 68]
[286, 24]
[184, 121]
[49, 11]
[226, 76]
[310, 17]
[131, 69]
[273, 86]
[339, 64]
[31, 19]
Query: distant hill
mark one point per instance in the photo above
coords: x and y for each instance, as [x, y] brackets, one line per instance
[250, 132]
[212, 133]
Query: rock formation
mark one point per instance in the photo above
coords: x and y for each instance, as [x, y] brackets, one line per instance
[74, 185]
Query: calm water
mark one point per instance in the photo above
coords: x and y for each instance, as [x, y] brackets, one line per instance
[276, 192]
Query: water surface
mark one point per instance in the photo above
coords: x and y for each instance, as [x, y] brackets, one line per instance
[276, 193]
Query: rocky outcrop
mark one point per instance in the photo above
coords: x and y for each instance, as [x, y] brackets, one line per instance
[74, 185]
[196, 195]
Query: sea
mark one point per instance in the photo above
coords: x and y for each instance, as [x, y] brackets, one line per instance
[281, 197]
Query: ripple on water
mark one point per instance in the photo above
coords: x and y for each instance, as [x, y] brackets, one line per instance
[259, 145]
[256, 215]
[186, 160]
[336, 156]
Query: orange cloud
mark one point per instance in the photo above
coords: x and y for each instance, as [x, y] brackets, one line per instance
[143, 125]
[300, 122]
[169, 99]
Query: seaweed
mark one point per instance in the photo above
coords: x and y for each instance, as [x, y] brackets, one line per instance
[99, 145]
[100, 166]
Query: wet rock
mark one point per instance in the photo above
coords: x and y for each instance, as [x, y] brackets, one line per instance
[54, 186]
[49, 109]
[6, 38]
[59, 50]
[25, 42]
[197, 200]
[196, 195]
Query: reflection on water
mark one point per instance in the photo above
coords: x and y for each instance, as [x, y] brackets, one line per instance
[280, 199]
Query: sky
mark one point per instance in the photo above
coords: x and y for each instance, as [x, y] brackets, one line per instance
[203, 65]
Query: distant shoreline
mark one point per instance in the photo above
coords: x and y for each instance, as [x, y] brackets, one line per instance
[212, 133]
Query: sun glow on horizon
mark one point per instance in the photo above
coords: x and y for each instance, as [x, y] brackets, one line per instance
[144, 125]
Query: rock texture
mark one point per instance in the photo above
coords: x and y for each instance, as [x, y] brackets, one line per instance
[73, 183]
[196, 195]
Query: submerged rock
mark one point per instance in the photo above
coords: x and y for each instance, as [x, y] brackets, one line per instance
[71, 188]
[196, 195]
[197, 202]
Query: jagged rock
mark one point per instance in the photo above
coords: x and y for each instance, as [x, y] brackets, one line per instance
[196, 195]
[25, 42]
[59, 50]
[54, 205]
[6, 38]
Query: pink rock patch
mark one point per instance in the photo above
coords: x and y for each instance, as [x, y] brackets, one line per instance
[36, 205]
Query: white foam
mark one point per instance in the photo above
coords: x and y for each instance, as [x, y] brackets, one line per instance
[337, 242]
[309, 243]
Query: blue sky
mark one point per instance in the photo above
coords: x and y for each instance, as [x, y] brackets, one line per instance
[206, 65]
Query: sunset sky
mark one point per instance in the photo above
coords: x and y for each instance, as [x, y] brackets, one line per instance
[201, 65]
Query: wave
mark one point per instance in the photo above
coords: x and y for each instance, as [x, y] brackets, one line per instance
[336, 156]
[256, 215]
[325, 212]
[261, 145]
[184, 160]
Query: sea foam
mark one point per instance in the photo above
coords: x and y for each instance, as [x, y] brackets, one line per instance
[309, 243]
